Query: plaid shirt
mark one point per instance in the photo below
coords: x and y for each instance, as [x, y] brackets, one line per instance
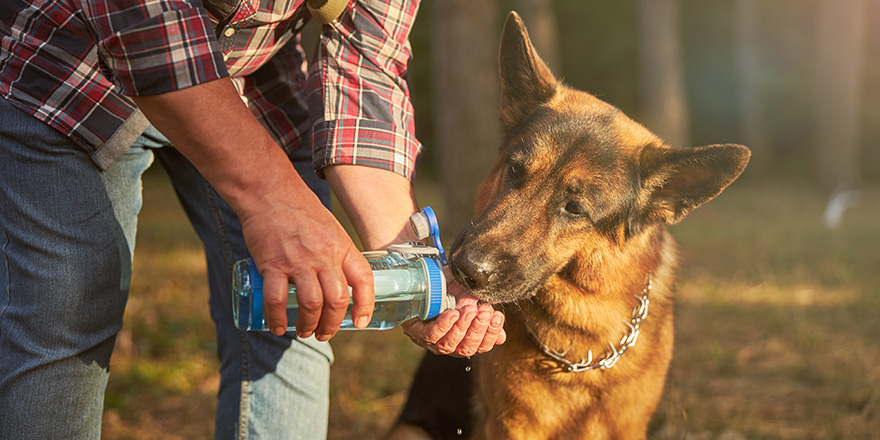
[73, 64]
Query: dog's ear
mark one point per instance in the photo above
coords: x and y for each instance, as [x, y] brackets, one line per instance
[677, 180]
[526, 82]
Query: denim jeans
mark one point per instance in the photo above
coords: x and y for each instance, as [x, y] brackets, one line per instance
[67, 235]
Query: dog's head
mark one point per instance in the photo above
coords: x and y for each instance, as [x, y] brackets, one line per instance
[574, 174]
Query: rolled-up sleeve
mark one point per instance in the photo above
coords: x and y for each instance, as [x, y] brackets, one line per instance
[155, 46]
[359, 99]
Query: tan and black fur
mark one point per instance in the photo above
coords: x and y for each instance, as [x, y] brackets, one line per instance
[570, 224]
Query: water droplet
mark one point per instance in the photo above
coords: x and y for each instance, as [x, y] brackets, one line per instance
[468, 368]
[458, 431]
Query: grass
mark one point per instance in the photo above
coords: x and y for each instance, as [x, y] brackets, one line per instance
[776, 317]
[775, 323]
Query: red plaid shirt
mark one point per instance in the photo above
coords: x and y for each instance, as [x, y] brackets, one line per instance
[73, 64]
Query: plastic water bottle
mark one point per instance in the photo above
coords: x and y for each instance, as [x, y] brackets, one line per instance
[408, 281]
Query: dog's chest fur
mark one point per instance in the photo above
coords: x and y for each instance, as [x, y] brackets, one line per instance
[524, 394]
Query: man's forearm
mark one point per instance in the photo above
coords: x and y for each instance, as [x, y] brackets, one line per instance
[378, 202]
[213, 128]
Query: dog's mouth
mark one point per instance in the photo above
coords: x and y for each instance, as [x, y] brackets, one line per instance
[497, 290]
[470, 300]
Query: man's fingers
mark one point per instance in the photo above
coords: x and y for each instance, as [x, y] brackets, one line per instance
[460, 332]
[475, 334]
[275, 288]
[335, 303]
[310, 302]
[360, 277]
[495, 334]
[454, 336]
[427, 333]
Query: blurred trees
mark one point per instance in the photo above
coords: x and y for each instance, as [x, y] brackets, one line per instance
[837, 90]
[465, 89]
[752, 113]
[664, 104]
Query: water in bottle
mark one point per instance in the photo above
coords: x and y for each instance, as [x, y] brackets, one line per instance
[408, 281]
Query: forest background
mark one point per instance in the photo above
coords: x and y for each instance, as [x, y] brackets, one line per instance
[777, 297]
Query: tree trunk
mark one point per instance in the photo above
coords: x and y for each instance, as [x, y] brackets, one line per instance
[837, 90]
[662, 81]
[466, 90]
[749, 73]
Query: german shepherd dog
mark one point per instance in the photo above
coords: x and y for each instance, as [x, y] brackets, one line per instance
[571, 239]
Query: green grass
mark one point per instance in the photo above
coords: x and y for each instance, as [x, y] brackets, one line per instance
[776, 318]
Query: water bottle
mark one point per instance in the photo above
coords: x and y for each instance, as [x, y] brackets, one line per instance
[408, 281]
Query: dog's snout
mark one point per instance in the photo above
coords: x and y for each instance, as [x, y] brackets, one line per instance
[463, 277]
[472, 273]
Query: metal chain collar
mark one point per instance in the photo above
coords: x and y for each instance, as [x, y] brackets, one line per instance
[611, 357]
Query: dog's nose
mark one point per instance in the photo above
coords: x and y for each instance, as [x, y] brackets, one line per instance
[471, 273]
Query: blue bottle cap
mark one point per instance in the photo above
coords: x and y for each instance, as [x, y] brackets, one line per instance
[434, 232]
[436, 288]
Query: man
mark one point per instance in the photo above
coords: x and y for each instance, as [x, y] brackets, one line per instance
[218, 91]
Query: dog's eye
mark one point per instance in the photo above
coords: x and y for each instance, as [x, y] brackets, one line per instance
[515, 171]
[574, 208]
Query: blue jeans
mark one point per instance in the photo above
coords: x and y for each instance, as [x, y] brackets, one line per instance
[67, 235]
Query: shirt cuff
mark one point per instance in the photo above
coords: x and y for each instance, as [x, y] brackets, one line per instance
[367, 142]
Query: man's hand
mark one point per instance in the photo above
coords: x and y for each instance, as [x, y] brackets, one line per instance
[320, 259]
[469, 329]
[290, 234]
